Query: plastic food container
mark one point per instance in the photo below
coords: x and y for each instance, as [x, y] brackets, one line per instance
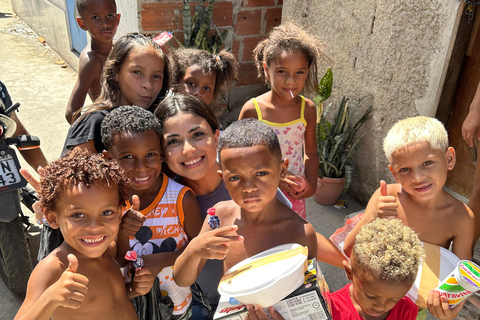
[461, 283]
[267, 277]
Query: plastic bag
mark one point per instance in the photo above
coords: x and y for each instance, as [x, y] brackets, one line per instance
[339, 236]
[153, 306]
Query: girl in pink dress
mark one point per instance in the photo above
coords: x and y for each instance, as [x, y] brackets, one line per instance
[287, 61]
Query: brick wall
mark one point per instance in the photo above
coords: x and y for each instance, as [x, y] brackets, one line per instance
[248, 21]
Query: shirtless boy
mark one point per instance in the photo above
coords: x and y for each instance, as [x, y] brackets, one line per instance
[254, 220]
[100, 19]
[419, 156]
[82, 194]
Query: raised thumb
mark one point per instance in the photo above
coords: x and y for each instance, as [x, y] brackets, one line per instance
[135, 202]
[383, 188]
[72, 263]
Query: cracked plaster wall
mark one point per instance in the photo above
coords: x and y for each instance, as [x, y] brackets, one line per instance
[396, 51]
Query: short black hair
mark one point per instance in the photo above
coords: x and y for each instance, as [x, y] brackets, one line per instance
[128, 119]
[82, 6]
[248, 133]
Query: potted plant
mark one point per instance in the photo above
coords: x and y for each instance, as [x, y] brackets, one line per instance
[336, 143]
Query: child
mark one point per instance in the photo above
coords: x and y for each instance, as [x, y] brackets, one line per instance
[383, 266]
[136, 73]
[82, 194]
[251, 168]
[100, 19]
[419, 155]
[204, 75]
[133, 135]
[287, 61]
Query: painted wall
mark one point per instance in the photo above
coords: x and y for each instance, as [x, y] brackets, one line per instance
[397, 51]
[49, 19]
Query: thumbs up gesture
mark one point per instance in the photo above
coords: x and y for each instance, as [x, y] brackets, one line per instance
[69, 291]
[386, 205]
[132, 220]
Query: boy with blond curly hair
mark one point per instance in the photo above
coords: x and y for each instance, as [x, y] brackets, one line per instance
[383, 266]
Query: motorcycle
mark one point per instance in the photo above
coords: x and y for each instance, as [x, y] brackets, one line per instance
[15, 260]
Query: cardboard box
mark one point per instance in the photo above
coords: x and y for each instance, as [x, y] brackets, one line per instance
[309, 302]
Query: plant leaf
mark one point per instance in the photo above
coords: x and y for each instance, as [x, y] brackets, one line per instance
[324, 87]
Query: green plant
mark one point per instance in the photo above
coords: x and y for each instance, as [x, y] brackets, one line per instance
[336, 141]
[197, 28]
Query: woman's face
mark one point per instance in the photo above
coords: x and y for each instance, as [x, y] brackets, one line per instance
[190, 146]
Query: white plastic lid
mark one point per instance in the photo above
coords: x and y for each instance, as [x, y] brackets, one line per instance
[263, 276]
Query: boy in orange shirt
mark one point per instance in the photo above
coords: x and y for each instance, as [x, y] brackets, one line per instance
[100, 19]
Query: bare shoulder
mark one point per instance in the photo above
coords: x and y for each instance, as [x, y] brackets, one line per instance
[310, 111]
[248, 110]
[300, 230]
[46, 272]
[458, 209]
[89, 61]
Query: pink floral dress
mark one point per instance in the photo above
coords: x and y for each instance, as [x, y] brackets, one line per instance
[291, 136]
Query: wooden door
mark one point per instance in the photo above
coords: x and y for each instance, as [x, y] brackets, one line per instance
[460, 179]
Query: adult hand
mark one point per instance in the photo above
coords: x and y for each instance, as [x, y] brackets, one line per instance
[257, 313]
[69, 291]
[386, 205]
[438, 306]
[470, 126]
[132, 220]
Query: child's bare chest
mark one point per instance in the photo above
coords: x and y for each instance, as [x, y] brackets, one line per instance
[106, 297]
[257, 240]
[432, 227]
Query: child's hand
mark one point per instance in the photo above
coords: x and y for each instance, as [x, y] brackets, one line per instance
[438, 306]
[292, 183]
[69, 291]
[386, 205]
[142, 281]
[299, 182]
[132, 220]
[214, 244]
[257, 313]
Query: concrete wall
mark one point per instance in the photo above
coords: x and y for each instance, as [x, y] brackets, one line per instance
[49, 19]
[397, 51]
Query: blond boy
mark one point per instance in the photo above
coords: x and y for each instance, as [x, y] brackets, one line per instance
[420, 158]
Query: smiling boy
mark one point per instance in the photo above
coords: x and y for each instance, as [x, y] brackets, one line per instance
[82, 194]
[420, 158]
[100, 19]
[250, 158]
[169, 210]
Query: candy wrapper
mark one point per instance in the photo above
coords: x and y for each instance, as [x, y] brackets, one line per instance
[213, 220]
[136, 260]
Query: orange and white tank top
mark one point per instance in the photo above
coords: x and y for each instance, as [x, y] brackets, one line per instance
[291, 136]
[163, 231]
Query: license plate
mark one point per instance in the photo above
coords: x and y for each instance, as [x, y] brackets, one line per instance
[10, 178]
